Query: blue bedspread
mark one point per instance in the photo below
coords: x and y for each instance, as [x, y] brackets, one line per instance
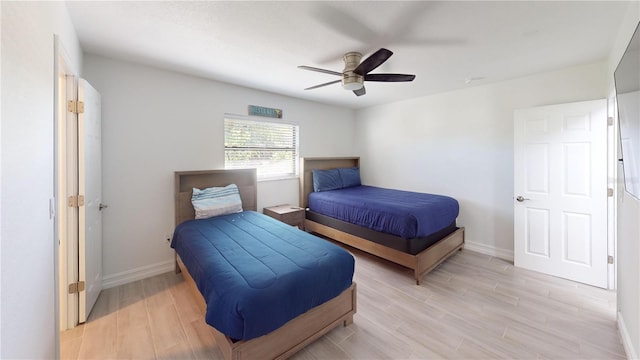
[256, 273]
[401, 213]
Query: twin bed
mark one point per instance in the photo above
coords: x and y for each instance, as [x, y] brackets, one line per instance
[269, 289]
[425, 226]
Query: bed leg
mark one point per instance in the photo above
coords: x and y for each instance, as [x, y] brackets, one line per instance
[348, 321]
[177, 269]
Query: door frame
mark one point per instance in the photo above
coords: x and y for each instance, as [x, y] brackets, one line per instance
[65, 254]
[612, 183]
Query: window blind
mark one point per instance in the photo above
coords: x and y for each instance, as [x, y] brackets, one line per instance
[271, 148]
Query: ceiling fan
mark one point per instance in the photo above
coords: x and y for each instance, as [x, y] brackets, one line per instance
[355, 73]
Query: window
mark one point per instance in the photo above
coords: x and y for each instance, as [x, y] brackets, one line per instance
[270, 147]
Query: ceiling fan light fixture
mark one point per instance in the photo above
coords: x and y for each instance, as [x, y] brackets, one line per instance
[352, 81]
[352, 86]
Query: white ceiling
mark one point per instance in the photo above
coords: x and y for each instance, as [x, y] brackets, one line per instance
[259, 44]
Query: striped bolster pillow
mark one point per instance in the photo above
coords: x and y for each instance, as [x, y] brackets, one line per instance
[216, 201]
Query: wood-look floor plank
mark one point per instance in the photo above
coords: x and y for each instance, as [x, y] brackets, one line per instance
[135, 340]
[156, 291]
[179, 351]
[99, 342]
[547, 343]
[434, 341]
[71, 334]
[369, 341]
[107, 304]
[469, 349]
[322, 349]
[339, 334]
[168, 334]
[186, 304]
[613, 352]
[201, 340]
[70, 342]
[130, 293]
[471, 306]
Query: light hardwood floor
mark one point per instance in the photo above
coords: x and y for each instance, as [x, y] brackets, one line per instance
[472, 306]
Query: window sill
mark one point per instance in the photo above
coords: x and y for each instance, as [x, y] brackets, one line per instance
[279, 178]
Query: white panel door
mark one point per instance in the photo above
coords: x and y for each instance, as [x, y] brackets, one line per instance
[90, 186]
[560, 185]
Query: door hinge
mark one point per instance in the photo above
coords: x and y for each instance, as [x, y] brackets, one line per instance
[76, 287]
[76, 201]
[609, 192]
[610, 259]
[610, 121]
[76, 107]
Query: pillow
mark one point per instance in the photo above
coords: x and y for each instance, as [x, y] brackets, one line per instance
[216, 201]
[325, 180]
[350, 177]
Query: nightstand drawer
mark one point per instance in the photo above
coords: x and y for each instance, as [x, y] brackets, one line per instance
[288, 214]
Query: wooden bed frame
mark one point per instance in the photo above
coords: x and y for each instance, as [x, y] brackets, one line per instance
[295, 334]
[421, 263]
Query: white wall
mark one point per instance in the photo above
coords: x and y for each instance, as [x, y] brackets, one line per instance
[28, 304]
[460, 144]
[628, 231]
[155, 122]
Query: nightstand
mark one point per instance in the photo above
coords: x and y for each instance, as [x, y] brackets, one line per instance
[288, 214]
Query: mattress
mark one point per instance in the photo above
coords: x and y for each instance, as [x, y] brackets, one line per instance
[256, 273]
[411, 246]
[404, 214]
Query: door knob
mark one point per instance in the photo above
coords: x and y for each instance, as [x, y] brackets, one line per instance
[521, 199]
[102, 206]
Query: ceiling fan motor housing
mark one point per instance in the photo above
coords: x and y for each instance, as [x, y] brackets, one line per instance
[351, 80]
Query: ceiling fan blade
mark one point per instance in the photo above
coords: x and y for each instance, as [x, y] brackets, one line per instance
[325, 84]
[320, 70]
[451, 41]
[389, 77]
[360, 91]
[346, 24]
[376, 59]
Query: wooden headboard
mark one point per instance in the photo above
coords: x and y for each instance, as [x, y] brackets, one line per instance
[245, 179]
[322, 163]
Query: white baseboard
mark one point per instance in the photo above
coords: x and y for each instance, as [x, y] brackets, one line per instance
[140, 273]
[632, 354]
[489, 250]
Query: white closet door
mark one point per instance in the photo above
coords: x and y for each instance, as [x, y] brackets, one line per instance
[90, 186]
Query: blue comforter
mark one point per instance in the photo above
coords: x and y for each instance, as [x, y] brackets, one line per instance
[401, 213]
[256, 273]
